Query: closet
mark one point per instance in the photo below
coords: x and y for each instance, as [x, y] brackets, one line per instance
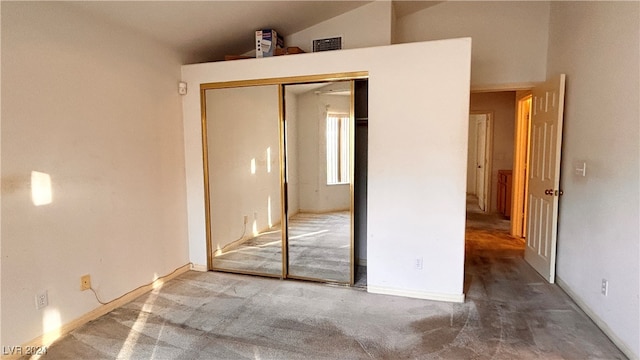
[285, 173]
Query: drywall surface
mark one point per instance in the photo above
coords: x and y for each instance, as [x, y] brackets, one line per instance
[596, 45]
[244, 168]
[92, 164]
[503, 106]
[315, 195]
[366, 26]
[509, 37]
[417, 156]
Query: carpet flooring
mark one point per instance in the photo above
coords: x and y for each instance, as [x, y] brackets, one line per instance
[509, 313]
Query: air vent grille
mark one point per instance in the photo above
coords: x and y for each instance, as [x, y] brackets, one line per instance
[334, 43]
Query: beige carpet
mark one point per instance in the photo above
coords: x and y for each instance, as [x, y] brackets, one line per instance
[319, 248]
[509, 313]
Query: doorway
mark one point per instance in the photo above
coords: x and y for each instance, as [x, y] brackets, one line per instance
[491, 130]
[481, 126]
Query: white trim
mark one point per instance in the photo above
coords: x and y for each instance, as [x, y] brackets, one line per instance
[198, 267]
[457, 298]
[597, 320]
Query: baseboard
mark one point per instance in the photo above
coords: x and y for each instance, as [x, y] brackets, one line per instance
[416, 294]
[596, 319]
[323, 211]
[47, 339]
[198, 267]
[236, 243]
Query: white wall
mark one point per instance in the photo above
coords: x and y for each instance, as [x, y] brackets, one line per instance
[365, 26]
[96, 108]
[423, 121]
[596, 45]
[509, 37]
[502, 105]
[315, 195]
[244, 167]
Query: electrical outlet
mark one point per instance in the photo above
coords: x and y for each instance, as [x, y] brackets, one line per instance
[85, 282]
[42, 300]
[418, 263]
[605, 287]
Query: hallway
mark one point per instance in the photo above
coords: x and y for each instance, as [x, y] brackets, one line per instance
[487, 234]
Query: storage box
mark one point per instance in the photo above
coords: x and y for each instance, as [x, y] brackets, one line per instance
[267, 40]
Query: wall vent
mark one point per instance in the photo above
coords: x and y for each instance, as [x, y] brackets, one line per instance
[333, 43]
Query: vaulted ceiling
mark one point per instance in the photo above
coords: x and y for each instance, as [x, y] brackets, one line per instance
[208, 30]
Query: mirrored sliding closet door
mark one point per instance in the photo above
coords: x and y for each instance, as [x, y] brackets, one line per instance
[243, 160]
[279, 169]
[318, 118]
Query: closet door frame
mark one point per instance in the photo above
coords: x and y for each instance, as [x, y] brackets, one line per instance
[280, 82]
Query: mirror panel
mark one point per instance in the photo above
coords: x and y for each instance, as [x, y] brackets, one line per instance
[319, 138]
[243, 158]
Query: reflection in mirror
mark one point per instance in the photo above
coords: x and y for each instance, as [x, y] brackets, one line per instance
[318, 137]
[243, 142]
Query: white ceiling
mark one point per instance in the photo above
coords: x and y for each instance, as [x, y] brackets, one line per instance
[208, 30]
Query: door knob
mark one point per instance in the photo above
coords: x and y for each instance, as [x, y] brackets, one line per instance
[548, 192]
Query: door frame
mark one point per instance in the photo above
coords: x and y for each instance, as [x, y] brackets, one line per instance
[488, 151]
[520, 163]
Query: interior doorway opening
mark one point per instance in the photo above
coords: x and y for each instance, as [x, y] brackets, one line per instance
[492, 129]
[480, 149]
[503, 188]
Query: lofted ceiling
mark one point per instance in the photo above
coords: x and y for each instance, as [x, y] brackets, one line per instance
[208, 30]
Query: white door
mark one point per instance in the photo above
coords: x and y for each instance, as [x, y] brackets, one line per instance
[544, 176]
[481, 146]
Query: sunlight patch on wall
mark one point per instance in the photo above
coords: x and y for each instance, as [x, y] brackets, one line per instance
[269, 159]
[255, 228]
[51, 324]
[41, 192]
[253, 166]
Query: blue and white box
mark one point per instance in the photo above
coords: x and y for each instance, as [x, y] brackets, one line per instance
[267, 40]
